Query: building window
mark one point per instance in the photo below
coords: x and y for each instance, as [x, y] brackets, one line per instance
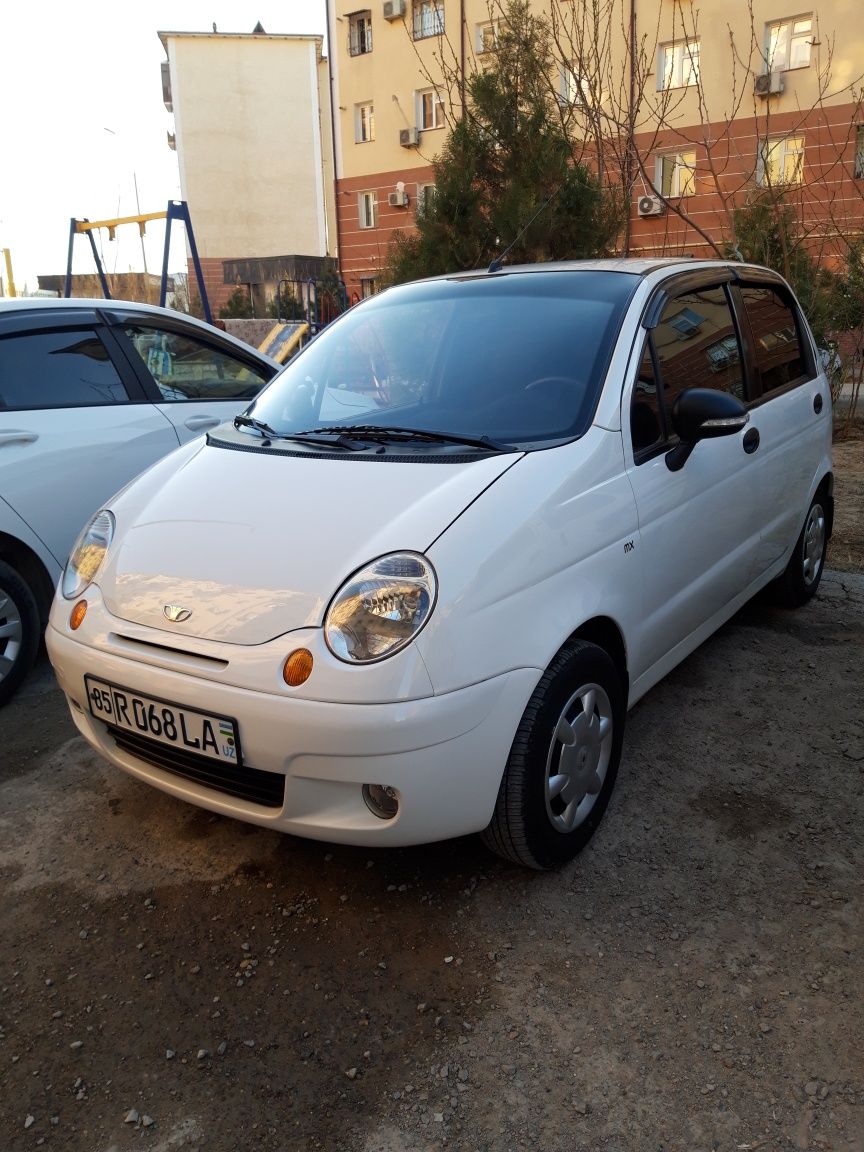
[367, 209]
[485, 36]
[428, 18]
[368, 286]
[675, 174]
[678, 66]
[781, 160]
[788, 44]
[859, 152]
[425, 195]
[572, 88]
[430, 110]
[364, 123]
[360, 33]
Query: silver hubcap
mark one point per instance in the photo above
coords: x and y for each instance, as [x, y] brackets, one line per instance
[814, 543]
[10, 634]
[579, 757]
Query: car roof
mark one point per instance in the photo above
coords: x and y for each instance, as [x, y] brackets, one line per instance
[54, 304]
[641, 266]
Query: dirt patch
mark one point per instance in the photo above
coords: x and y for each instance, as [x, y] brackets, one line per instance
[846, 550]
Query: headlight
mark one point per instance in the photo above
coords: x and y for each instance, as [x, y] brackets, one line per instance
[381, 608]
[88, 554]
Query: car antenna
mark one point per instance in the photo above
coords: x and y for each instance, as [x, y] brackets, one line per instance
[495, 266]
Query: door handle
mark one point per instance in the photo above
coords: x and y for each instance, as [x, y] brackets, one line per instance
[751, 440]
[198, 423]
[18, 437]
[817, 403]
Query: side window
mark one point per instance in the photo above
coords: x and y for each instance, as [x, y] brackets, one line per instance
[695, 345]
[776, 338]
[189, 369]
[66, 369]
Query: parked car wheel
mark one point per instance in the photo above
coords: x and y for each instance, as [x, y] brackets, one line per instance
[563, 763]
[19, 630]
[804, 571]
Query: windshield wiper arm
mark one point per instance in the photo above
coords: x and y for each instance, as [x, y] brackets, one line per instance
[386, 432]
[250, 422]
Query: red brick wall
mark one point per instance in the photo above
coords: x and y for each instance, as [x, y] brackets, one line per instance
[217, 291]
[363, 251]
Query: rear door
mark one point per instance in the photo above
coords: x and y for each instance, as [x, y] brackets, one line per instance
[791, 410]
[699, 530]
[75, 425]
[196, 381]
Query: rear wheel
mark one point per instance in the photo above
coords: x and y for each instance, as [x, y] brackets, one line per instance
[563, 763]
[19, 630]
[804, 571]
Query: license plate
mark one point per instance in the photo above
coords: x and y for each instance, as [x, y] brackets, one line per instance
[189, 729]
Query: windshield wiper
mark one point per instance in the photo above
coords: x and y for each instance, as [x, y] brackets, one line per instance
[268, 434]
[381, 432]
[250, 422]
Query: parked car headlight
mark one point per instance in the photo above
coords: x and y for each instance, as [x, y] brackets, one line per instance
[381, 608]
[86, 557]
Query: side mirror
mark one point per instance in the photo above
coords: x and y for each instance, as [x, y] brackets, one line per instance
[703, 414]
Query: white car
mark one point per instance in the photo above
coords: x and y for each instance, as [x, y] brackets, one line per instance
[430, 619]
[92, 392]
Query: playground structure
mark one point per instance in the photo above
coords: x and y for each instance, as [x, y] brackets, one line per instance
[177, 210]
[303, 308]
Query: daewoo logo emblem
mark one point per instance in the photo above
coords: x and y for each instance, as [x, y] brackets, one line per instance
[176, 613]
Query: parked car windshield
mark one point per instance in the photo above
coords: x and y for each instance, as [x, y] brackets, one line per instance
[515, 357]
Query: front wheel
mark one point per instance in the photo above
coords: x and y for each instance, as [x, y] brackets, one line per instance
[562, 767]
[19, 630]
[801, 578]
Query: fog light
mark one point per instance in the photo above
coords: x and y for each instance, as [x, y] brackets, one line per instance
[381, 800]
[297, 668]
[76, 616]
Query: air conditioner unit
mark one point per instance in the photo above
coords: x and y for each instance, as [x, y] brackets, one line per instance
[398, 199]
[409, 137]
[394, 9]
[650, 206]
[768, 84]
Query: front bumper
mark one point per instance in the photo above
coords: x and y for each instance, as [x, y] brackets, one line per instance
[444, 755]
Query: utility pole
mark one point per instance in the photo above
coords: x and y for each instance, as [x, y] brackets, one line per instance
[10, 279]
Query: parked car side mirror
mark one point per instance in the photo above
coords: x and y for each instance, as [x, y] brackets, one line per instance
[702, 414]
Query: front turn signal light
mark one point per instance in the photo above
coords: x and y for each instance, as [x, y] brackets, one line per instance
[76, 616]
[297, 668]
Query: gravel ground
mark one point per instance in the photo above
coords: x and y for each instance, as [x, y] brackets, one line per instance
[170, 979]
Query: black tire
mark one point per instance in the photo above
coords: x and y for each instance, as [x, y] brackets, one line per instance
[529, 826]
[19, 618]
[800, 581]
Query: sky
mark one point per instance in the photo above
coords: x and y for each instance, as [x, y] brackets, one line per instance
[82, 119]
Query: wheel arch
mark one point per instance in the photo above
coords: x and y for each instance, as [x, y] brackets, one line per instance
[606, 634]
[826, 486]
[31, 569]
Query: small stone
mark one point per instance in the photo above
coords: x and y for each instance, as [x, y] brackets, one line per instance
[222, 1049]
[203, 1053]
[131, 1117]
[421, 1007]
[463, 1075]
[249, 1043]
[764, 1027]
[170, 1053]
[58, 1015]
[582, 1107]
[246, 946]
[811, 1087]
[48, 982]
[195, 969]
[30, 1121]
[76, 1044]
[147, 1121]
[82, 935]
[351, 1073]
[448, 959]
[823, 1092]
[438, 1117]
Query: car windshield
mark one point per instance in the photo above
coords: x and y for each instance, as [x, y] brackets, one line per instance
[515, 358]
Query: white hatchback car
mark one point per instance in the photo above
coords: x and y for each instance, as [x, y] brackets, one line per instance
[92, 392]
[429, 618]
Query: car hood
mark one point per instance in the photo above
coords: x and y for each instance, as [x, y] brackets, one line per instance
[255, 544]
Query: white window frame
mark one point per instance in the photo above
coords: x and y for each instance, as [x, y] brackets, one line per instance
[780, 57]
[367, 210]
[425, 194]
[360, 33]
[683, 180]
[427, 18]
[572, 89]
[858, 171]
[485, 36]
[678, 64]
[364, 122]
[783, 148]
[429, 99]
